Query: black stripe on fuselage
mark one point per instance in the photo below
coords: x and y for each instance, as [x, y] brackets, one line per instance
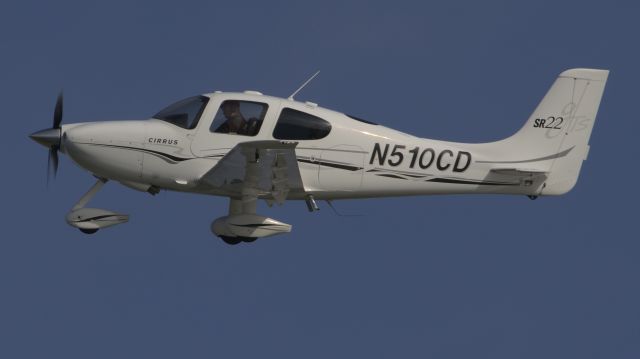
[176, 159]
[163, 155]
[550, 157]
[341, 166]
[472, 182]
[415, 177]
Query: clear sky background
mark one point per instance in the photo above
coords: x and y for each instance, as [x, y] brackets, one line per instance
[424, 277]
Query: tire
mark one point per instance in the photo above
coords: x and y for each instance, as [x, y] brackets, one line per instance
[88, 231]
[231, 240]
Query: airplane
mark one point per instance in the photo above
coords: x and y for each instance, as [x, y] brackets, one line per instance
[248, 147]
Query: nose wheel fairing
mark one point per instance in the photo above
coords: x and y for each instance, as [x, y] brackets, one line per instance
[90, 220]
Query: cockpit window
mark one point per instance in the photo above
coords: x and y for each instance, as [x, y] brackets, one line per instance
[297, 125]
[184, 113]
[239, 118]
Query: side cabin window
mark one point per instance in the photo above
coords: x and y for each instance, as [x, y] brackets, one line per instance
[297, 125]
[239, 118]
[184, 113]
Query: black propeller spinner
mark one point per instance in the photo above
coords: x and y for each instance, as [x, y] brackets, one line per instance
[51, 138]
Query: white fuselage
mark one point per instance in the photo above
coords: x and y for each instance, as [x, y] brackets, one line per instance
[355, 160]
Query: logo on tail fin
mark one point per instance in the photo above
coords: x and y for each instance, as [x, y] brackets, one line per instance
[550, 122]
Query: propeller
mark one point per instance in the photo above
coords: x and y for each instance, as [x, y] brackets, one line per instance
[57, 113]
[51, 138]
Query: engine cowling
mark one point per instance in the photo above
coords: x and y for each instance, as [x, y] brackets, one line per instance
[248, 226]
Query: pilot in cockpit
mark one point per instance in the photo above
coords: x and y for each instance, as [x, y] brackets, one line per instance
[235, 122]
[239, 118]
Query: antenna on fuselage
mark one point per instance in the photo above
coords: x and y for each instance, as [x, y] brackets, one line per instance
[303, 85]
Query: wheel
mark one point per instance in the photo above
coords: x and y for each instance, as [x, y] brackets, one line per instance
[88, 231]
[231, 240]
[532, 197]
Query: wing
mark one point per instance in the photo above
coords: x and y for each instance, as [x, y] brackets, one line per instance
[260, 169]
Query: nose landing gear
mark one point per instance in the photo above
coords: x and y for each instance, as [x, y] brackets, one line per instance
[90, 220]
[88, 231]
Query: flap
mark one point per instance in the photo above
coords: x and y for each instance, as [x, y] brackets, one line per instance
[260, 169]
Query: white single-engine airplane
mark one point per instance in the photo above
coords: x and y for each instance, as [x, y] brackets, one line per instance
[247, 146]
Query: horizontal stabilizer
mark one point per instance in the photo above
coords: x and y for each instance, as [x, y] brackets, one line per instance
[527, 177]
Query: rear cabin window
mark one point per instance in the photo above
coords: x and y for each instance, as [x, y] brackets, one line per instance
[297, 125]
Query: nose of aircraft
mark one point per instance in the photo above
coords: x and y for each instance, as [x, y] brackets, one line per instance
[49, 137]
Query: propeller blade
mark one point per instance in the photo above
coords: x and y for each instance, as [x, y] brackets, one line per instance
[51, 138]
[49, 167]
[57, 113]
[52, 163]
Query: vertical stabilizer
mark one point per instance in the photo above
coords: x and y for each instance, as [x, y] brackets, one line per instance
[557, 133]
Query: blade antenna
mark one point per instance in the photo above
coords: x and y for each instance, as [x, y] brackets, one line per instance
[303, 85]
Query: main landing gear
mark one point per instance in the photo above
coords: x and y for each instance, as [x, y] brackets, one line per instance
[244, 225]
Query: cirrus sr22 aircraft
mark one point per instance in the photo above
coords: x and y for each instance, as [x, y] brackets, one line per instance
[250, 147]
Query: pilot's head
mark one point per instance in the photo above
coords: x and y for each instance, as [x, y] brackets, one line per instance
[231, 108]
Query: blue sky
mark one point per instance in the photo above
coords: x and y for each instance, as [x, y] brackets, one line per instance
[445, 276]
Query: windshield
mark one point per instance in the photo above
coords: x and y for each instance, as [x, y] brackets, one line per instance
[184, 113]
